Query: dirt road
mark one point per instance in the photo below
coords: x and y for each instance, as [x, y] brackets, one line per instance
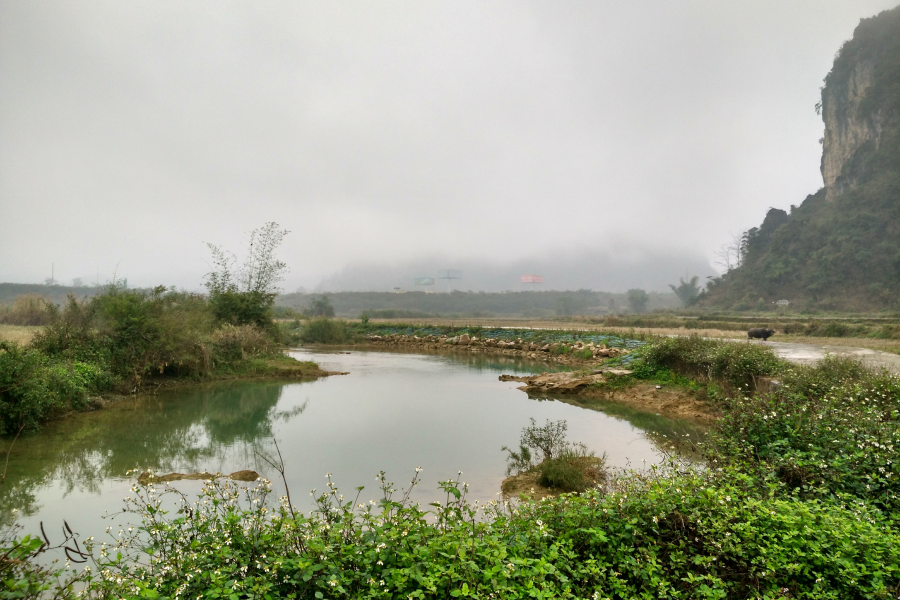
[812, 353]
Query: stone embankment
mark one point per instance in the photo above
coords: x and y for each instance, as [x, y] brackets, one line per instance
[560, 352]
[563, 383]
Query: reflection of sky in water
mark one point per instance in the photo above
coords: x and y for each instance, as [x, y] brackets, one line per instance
[394, 412]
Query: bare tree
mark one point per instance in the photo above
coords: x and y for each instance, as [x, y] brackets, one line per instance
[732, 253]
[261, 271]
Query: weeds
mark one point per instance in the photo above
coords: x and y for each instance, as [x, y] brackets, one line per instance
[564, 466]
[574, 469]
[549, 439]
[326, 331]
[670, 534]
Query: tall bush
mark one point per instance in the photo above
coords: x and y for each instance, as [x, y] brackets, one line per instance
[244, 294]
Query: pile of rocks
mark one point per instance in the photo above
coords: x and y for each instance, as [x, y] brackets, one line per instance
[576, 350]
[563, 383]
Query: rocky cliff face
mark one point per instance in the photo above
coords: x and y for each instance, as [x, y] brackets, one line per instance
[840, 249]
[857, 100]
[846, 128]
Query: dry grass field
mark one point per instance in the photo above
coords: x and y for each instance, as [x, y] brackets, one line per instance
[21, 334]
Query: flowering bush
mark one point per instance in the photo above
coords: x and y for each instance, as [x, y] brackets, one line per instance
[674, 534]
[830, 430]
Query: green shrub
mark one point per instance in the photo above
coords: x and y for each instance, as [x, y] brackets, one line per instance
[575, 469]
[232, 343]
[327, 331]
[560, 349]
[737, 365]
[689, 535]
[831, 430]
[22, 577]
[243, 308]
[132, 333]
[34, 387]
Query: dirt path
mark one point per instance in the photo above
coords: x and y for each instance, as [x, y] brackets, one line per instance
[812, 353]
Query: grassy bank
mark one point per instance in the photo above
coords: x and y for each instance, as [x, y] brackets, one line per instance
[799, 500]
[123, 341]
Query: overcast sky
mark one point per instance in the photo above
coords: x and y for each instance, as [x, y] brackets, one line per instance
[387, 133]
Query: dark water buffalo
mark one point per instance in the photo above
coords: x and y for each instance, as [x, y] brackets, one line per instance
[760, 332]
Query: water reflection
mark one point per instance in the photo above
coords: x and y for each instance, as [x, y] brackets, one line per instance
[395, 411]
[176, 430]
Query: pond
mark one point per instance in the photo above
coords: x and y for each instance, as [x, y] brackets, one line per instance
[395, 411]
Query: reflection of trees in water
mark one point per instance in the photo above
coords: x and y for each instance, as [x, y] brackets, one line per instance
[492, 361]
[478, 361]
[499, 362]
[188, 429]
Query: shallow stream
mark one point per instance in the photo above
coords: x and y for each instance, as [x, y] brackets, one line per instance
[394, 412]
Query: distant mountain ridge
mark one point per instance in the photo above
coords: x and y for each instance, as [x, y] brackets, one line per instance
[840, 249]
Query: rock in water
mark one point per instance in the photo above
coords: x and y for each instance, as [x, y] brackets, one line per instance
[147, 477]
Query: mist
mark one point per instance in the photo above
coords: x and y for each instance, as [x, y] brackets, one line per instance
[603, 145]
[599, 271]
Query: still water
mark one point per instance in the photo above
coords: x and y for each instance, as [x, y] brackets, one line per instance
[393, 412]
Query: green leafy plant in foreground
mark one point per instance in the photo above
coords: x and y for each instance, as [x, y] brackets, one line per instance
[670, 534]
[23, 577]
